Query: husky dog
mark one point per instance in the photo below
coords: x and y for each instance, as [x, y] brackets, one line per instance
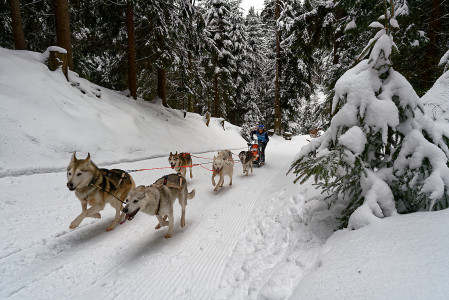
[246, 158]
[180, 161]
[157, 200]
[96, 187]
[222, 166]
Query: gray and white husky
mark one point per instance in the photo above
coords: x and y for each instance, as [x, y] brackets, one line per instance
[246, 158]
[157, 200]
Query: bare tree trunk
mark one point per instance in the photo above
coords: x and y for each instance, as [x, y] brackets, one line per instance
[17, 25]
[62, 20]
[277, 102]
[339, 13]
[132, 73]
[216, 102]
[189, 97]
[432, 56]
[162, 86]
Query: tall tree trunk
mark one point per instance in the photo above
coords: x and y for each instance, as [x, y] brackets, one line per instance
[162, 86]
[17, 25]
[62, 21]
[189, 97]
[339, 13]
[161, 77]
[277, 101]
[432, 56]
[216, 102]
[132, 73]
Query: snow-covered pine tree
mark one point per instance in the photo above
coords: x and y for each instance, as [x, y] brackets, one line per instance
[381, 155]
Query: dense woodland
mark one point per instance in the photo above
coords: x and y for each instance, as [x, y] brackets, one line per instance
[207, 56]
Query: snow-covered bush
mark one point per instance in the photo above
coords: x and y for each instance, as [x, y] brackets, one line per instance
[381, 154]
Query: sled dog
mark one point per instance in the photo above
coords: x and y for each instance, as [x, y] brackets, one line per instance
[222, 166]
[246, 158]
[180, 161]
[96, 187]
[157, 200]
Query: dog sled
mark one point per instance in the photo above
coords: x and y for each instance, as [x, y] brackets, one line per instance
[256, 149]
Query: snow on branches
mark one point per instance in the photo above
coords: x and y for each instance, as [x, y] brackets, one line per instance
[381, 154]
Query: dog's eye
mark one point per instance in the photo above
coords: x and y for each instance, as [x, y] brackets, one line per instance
[79, 174]
[70, 174]
[135, 201]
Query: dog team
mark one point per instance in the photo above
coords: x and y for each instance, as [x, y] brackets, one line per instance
[96, 187]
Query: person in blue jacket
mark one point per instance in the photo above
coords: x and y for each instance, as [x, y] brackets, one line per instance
[262, 137]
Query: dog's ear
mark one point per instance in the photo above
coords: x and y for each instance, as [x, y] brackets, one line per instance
[171, 154]
[74, 156]
[140, 188]
[176, 153]
[88, 156]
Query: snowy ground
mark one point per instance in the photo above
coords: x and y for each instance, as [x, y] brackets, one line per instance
[247, 239]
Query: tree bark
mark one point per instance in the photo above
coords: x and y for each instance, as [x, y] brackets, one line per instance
[189, 97]
[216, 102]
[132, 73]
[17, 25]
[277, 101]
[162, 86]
[62, 21]
[339, 13]
[432, 52]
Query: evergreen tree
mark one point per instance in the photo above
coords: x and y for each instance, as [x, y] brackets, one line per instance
[380, 147]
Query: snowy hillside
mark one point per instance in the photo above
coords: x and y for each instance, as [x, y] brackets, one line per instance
[261, 238]
[44, 119]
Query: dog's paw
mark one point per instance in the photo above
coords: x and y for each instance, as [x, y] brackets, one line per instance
[110, 228]
[73, 225]
[158, 226]
[168, 235]
[183, 223]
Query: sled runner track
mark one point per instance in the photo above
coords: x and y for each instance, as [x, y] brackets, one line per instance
[133, 260]
[198, 253]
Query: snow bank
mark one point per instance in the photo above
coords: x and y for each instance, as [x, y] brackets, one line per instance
[45, 118]
[402, 257]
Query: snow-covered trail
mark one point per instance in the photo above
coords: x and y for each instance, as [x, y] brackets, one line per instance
[209, 258]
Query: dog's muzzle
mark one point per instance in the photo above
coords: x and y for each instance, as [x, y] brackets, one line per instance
[172, 166]
[71, 186]
[218, 170]
[130, 216]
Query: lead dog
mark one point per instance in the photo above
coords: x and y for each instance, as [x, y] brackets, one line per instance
[157, 200]
[246, 158]
[96, 187]
[179, 162]
[223, 164]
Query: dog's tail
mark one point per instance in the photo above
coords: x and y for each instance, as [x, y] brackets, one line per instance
[191, 194]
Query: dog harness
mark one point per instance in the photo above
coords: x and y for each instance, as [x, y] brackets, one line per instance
[156, 212]
[108, 174]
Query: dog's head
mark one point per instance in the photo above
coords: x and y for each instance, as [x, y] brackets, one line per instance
[218, 163]
[242, 156]
[136, 199]
[173, 159]
[79, 172]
